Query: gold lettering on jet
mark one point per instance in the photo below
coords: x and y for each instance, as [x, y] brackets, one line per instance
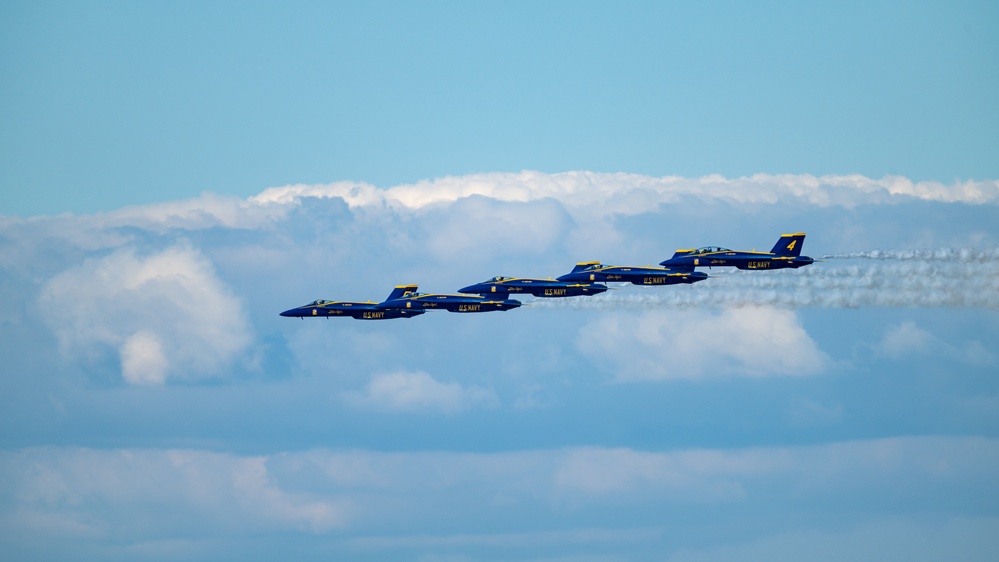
[469, 307]
[556, 292]
[373, 315]
[758, 265]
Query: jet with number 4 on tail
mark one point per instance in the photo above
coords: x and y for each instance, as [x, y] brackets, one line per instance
[538, 287]
[452, 303]
[594, 271]
[358, 310]
[785, 253]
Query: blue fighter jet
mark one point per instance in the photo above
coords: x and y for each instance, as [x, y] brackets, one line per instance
[358, 310]
[785, 253]
[595, 271]
[536, 287]
[452, 303]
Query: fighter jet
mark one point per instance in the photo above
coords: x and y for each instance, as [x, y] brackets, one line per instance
[452, 303]
[595, 271]
[785, 253]
[537, 287]
[358, 310]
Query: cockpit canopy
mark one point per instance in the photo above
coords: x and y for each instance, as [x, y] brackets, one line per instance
[499, 278]
[710, 250]
[318, 303]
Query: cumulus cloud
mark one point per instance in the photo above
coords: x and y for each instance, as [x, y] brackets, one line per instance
[482, 226]
[142, 360]
[166, 314]
[419, 392]
[659, 345]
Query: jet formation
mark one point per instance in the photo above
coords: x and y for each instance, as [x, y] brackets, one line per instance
[585, 279]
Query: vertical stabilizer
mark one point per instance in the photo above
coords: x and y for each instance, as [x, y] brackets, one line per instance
[401, 291]
[789, 245]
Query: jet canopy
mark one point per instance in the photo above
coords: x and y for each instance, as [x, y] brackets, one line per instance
[500, 278]
[710, 250]
[319, 302]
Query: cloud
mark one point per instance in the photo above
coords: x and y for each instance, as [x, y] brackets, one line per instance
[659, 345]
[419, 392]
[907, 340]
[142, 360]
[621, 193]
[155, 493]
[166, 314]
[904, 339]
[139, 494]
[477, 226]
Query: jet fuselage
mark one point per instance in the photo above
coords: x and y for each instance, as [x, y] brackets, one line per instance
[451, 303]
[597, 272]
[545, 288]
[356, 310]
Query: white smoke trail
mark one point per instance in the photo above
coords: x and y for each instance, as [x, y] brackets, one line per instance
[956, 278]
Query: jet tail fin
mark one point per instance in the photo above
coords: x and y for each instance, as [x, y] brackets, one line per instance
[401, 291]
[789, 245]
[679, 253]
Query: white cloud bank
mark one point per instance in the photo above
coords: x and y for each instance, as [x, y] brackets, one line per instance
[135, 495]
[582, 193]
[166, 314]
[661, 345]
[633, 193]
[419, 392]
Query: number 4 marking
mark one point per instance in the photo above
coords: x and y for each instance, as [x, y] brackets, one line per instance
[791, 245]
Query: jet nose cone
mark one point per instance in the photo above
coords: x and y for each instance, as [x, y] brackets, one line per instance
[469, 289]
[290, 312]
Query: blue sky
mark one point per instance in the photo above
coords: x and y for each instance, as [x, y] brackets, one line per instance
[115, 103]
[174, 175]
